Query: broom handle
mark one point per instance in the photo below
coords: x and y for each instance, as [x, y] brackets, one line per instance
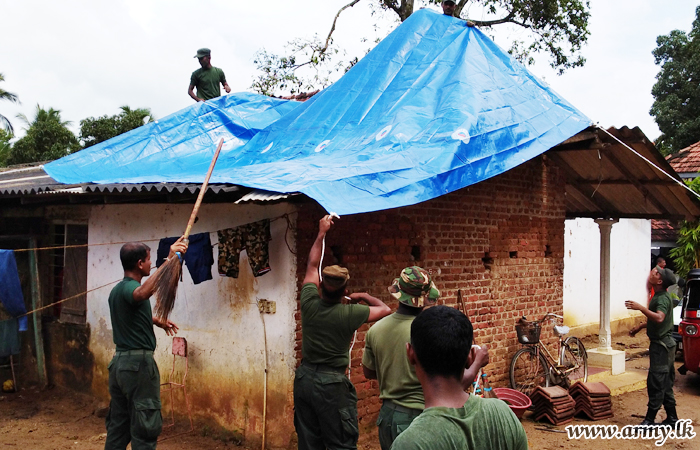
[202, 190]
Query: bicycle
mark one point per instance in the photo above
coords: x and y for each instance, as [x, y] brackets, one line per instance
[533, 365]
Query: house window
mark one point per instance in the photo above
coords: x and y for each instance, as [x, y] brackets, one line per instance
[69, 267]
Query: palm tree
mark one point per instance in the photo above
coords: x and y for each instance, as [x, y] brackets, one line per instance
[44, 115]
[9, 96]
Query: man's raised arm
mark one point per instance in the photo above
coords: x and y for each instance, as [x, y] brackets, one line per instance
[314, 261]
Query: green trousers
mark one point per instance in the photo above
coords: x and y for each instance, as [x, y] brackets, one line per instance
[325, 409]
[393, 420]
[662, 374]
[134, 410]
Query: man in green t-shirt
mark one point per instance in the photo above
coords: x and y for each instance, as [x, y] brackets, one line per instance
[385, 357]
[662, 347]
[325, 402]
[207, 78]
[134, 381]
[441, 339]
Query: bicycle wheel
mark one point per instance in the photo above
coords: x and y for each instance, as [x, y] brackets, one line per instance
[575, 360]
[528, 370]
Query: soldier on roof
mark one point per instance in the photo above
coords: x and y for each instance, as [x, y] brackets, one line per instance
[207, 78]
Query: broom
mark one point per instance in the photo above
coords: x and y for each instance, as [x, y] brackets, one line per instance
[168, 275]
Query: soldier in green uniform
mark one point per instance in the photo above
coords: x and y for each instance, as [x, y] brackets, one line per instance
[441, 338]
[385, 357]
[662, 347]
[325, 402]
[207, 78]
[134, 381]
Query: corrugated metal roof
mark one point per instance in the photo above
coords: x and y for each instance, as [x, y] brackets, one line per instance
[257, 195]
[34, 181]
[605, 179]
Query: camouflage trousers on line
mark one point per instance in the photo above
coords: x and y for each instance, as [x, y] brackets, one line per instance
[252, 237]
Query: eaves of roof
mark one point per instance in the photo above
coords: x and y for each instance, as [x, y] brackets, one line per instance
[33, 185]
[605, 179]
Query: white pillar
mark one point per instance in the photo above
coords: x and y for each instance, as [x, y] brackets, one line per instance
[604, 355]
[604, 337]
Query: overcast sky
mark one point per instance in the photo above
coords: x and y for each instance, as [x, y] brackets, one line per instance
[89, 57]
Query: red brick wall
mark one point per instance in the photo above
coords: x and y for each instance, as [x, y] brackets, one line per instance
[501, 242]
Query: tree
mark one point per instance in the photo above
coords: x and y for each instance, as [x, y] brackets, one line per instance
[10, 97]
[95, 130]
[558, 28]
[47, 138]
[5, 147]
[686, 255]
[676, 107]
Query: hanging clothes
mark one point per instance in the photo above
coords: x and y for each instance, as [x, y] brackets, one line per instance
[199, 256]
[11, 289]
[252, 237]
[9, 337]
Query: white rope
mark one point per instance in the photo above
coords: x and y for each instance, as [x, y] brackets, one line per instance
[650, 162]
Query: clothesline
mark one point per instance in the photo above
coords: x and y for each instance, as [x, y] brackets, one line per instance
[283, 216]
[69, 298]
[55, 247]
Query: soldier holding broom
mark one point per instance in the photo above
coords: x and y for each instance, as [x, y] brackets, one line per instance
[134, 381]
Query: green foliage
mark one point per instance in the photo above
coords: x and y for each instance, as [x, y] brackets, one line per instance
[95, 130]
[10, 97]
[47, 138]
[5, 147]
[279, 73]
[558, 28]
[686, 255]
[676, 107]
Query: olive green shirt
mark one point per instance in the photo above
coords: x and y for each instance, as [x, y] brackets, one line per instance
[661, 302]
[385, 353]
[482, 423]
[132, 321]
[327, 328]
[207, 82]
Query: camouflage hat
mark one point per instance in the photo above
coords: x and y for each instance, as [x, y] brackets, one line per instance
[414, 288]
[667, 277]
[335, 277]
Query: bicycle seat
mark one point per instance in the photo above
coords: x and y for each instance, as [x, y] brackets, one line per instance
[561, 330]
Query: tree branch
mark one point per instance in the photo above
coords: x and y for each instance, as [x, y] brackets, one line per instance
[507, 19]
[328, 39]
[390, 5]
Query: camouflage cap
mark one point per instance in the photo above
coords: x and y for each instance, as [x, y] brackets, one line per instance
[335, 277]
[414, 288]
[667, 277]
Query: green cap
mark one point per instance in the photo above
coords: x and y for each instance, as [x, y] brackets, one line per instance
[414, 288]
[335, 277]
[202, 52]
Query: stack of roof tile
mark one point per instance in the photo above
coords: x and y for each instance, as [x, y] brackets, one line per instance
[554, 404]
[592, 399]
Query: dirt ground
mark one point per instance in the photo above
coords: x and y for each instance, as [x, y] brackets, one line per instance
[61, 419]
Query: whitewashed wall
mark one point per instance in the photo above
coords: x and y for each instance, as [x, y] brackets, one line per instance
[219, 318]
[630, 264]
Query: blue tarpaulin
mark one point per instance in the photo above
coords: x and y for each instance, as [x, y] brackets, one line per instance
[435, 107]
[11, 289]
